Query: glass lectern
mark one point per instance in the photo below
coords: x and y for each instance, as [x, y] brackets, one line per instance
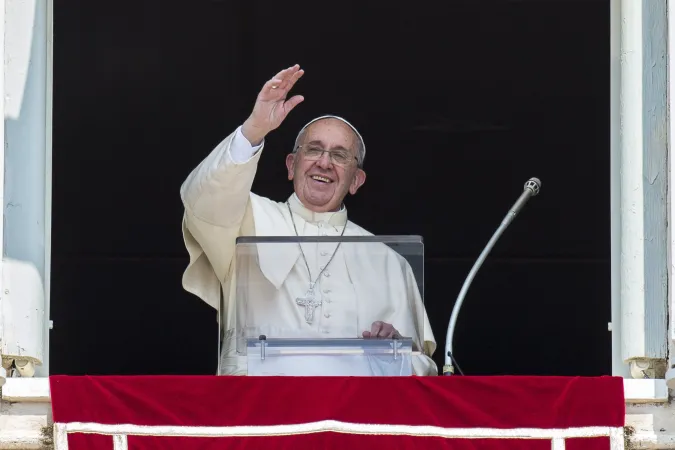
[308, 306]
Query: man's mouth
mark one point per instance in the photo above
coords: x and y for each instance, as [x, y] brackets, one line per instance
[321, 179]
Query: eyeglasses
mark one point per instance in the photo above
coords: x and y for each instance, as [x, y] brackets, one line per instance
[339, 157]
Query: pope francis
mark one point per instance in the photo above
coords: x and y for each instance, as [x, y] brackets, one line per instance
[322, 290]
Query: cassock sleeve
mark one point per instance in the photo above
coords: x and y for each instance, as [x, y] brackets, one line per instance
[216, 198]
[423, 364]
[241, 150]
[408, 314]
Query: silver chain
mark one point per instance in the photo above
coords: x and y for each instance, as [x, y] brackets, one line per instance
[311, 285]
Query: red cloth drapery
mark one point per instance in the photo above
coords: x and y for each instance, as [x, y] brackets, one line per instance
[331, 412]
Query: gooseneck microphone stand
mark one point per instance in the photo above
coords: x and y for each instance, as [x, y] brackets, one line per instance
[532, 187]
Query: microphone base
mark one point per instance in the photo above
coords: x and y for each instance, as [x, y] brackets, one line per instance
[450, 365]
[448, 370]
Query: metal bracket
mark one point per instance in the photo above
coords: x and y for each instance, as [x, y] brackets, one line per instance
[263, 343]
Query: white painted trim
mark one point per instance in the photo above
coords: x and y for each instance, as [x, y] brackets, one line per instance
[24, 203]
[337, 426]
[671, 183]
[619, 367]
[645, 391]
[632, 201]
[49, 81]
[644, 168]
[26, 390]
[2, 174]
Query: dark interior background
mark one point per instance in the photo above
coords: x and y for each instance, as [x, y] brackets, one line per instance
[459, 104]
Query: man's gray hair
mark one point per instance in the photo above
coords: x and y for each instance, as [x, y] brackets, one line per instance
[360, 145]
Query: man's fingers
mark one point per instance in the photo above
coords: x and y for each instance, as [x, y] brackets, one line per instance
[375, 328]
[387, 331]
[285, 72]
[271, 85]
[293, 102]
[282, 82]
[290, 80]
[382, 330]
[285, 75]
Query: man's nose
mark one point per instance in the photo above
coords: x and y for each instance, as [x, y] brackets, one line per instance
[325, 161]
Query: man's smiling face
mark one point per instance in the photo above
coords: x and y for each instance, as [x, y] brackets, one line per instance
[325, 169]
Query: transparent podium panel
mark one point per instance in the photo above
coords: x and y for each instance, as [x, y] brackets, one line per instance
[350, 305]
[329, 357]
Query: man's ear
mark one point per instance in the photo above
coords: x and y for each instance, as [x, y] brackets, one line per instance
[290, 165]
[357, 182]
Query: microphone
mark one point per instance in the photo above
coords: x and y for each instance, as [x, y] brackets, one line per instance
[532, 187]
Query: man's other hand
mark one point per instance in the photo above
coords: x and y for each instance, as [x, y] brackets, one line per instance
[381, 329]
[272, 106]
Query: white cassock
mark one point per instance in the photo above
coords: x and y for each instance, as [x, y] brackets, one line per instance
[360, 283]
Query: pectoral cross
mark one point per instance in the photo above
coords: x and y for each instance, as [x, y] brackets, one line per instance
[310, 303]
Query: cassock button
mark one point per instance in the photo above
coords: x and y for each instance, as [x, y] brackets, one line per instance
[326, 274]
[326, 315]
[326, 291]
[324, 253]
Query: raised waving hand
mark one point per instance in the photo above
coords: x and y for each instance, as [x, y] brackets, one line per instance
[272, 105]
